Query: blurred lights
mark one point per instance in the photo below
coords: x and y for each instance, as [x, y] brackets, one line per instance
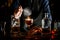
[53, 32]
[52, 36]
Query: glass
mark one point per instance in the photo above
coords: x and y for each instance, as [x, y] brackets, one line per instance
[29, 21]
[46, 24]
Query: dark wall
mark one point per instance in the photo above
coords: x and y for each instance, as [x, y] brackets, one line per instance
[54, 6]
[55, 9]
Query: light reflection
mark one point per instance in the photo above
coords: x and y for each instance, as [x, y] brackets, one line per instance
[52, 37]
[53, 32]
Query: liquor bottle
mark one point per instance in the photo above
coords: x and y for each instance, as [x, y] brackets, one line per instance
[55, 25]
[54, 31]
[58, 25]
[46, 23]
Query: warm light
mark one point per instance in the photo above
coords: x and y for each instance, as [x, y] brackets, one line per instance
[40, 29]
[35, 30]
[53, 32]
[28, 18]
[52, 37]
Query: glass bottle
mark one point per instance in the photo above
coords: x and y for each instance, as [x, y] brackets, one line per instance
[55, 25]
[58, 25]
[46, 24]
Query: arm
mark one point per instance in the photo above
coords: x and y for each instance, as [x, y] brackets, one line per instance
[47, 8]
[18, 12]
[43, 9]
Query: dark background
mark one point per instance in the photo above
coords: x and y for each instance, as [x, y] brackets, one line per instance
[54, 6]
[4, 11]
[55, 9]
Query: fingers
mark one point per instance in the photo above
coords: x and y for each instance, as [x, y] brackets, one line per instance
[19, 13]
[20, 8]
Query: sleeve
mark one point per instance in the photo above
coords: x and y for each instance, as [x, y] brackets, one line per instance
[14, 5]
[43, 8]
[47, 8]
[37, 20]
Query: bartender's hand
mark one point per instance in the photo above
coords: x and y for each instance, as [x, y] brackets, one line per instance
[18, 14]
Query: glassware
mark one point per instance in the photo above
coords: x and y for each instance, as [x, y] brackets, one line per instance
[46, 24]
[28, 21]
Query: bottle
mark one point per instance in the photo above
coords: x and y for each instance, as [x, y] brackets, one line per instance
[58, 25]
[55, 25]
[46, 23]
